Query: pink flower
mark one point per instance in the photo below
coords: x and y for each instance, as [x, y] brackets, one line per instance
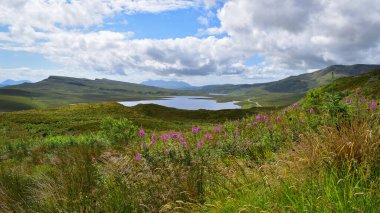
[258, 117]
[200, 144]
[278, 118]
[237, 133]
[164, 137]
[373, 105]
[249, 124]
[138, 156]
[348, 100]
[195, 130]
[153, 138]
[294, 106]
[265, 117]
[142, 132]
[143, 145]
[311, 110]
[218, 129]
[182, 141]
[173, 135]
[255, 123]
[302, 120]
[208, 136]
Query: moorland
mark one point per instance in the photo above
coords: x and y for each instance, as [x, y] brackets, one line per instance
[312, 146]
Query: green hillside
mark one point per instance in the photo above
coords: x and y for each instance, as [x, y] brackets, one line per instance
[86, 118]
[288, 90]
[319, 155]
[57, 91]
[367, 84]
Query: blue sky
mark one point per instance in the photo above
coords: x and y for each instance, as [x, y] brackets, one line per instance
[198, 41]
[165, 25]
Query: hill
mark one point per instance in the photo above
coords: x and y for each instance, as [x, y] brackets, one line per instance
[57, 91]
[288, 90]
[317, 156]
[367, 84]
[179, 85]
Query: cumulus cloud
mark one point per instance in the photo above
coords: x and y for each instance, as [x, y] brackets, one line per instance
[308, 34]
[291, 35]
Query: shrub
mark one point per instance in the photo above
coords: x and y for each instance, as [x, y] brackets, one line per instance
[118, 130]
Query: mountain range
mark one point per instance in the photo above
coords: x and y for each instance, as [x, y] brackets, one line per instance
[178, 85]
[58, 90]
[10, 82]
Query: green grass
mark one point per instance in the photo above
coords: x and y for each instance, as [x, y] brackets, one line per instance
[86, 118]
[96, 158]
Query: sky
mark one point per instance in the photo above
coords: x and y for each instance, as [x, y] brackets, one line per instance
[199, 41]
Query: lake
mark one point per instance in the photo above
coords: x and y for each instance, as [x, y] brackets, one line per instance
[186, 102]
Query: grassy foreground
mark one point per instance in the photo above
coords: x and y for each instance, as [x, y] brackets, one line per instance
[319, 155]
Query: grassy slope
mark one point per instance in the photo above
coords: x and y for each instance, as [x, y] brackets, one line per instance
[368, 84]
[291, 166]
[57, 91]
[85, 118]
[288, 90]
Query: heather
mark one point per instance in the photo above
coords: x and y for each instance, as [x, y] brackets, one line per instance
[317, 155]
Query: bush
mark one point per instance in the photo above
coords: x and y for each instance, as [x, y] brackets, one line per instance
[118, 130]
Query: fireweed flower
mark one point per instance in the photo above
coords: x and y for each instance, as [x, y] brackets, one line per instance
[195, 130]
[311, 110]
[173, 135]
[153, 138]
[208, 136]
[348, 100]
[143, 145]
[182, 140]
[265, 117]
[200, 144]
[373, 105]
[255, 123]
[295, 106]
[237, 133]
[258, 117]
[278, 119]
[218, 129]
[142, 132]
[138, 156]
[164, 137]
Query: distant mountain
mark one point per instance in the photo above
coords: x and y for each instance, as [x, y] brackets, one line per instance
[10, 82]
[57, 91]
[180, 85]
[297, 84]
[288, 90]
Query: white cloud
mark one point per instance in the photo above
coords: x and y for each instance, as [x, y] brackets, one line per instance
[291, 35]
[307, 34]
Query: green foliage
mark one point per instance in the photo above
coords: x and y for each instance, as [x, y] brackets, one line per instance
[90, 158]
[118, 130]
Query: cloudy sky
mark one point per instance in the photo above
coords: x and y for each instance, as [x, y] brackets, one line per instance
[199, 41]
